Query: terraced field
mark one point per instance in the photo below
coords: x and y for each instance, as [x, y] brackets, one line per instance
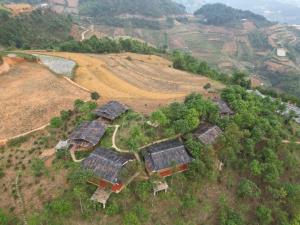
[141, 81]
[30, 96]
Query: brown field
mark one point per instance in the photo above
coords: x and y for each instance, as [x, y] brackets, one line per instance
[143, 82]
[17, 9]
[30, 96]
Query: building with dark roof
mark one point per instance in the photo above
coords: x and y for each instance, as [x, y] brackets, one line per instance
[88, 134]
[207, 133]
[166, 158]
[111, 111]
[107, 166]
[224, 109]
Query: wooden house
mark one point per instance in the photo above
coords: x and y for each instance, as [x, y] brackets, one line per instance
[108, 168]
[88, 134]
[166, 158]
[111, 111]
[224, 109]
[207, 133]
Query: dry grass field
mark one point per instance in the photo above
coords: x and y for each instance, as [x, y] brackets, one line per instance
[30, 96]
[144, 82]
[17, 9]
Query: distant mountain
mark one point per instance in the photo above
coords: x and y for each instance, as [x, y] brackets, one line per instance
[219, 14]
[284, 11]
[149, 8]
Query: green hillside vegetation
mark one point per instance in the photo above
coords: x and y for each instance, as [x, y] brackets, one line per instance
[108, 45]
[259, 40]
[150, 8]
[134, 23]
[39, 29]
[259, 181]
[23, 1]
[219, 15]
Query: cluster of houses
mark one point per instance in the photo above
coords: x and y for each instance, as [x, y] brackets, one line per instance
[107, 165]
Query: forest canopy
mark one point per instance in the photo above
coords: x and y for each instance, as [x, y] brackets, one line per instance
[219, 14]
[150, 8]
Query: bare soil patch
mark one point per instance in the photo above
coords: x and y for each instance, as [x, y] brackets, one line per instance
[17, 9]
[144, 82]
[30, 96]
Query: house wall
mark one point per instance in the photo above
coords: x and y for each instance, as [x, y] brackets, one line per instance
[106, 185]
[170, 171]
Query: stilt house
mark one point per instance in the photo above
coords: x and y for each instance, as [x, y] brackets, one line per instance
[166, 158]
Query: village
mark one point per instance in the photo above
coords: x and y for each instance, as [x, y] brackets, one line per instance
[109, 165]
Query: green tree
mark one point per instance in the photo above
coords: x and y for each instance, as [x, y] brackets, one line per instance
[255, 168]
[95, 96]
[241, 79]
[158, 117]
[135, 139]
[264, 215]
[56, 122]
[247, 188]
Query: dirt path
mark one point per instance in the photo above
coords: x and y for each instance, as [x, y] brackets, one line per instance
[86, 30]
[288, 142]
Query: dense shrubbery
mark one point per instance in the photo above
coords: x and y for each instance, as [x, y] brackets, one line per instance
[108, 45]
[130, 22]
[35, 30]
[253, 143]
[285, 97]
[189, 63]
[219, 14]
[151, 8]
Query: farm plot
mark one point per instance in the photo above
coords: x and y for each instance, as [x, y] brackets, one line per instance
[30, 96]
[144, 82]
[58, 65]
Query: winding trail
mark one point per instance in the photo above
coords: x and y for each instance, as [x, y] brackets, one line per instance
[288, 142]
[4, 141]
[83, 34]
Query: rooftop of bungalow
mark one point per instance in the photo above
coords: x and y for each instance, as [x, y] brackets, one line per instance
[88, 134]
[165, 155]
[223, 107]
[107, 164]
[208, 133]
[111, 111]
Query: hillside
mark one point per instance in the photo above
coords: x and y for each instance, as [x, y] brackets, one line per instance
[250, 173]
[248, 45]
[38, 29]
[221, 15]
[151, 8]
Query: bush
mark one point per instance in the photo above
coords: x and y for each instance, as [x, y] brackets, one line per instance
[16, 142]
[207, 86]
[247, 188]
[264, 215]
[112, 209]
[56, 122]
[38, 167]
[229, 217]
[64, 115]
[60, 208]
[95, 96]
[7, 219]
[131, 219]
[2, 174]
